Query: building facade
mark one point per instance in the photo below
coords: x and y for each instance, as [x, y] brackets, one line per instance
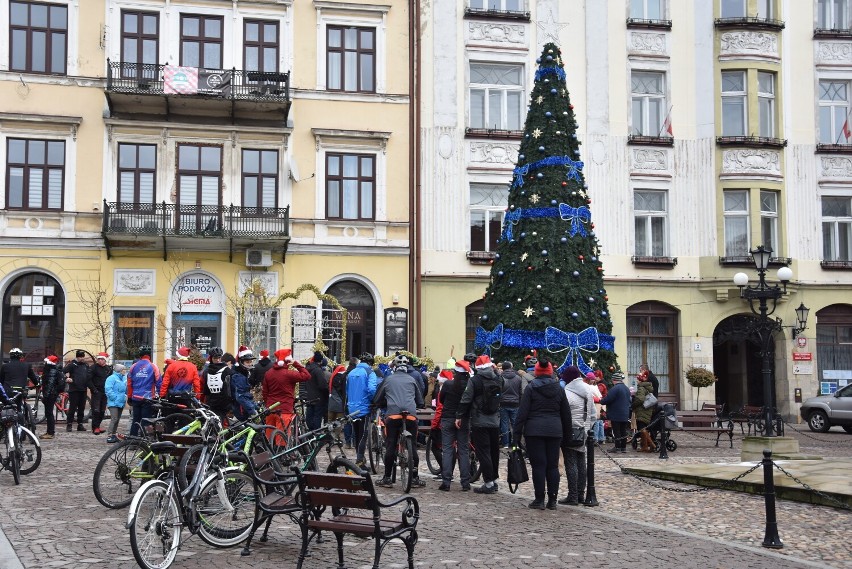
[708, 128]
[172, 168]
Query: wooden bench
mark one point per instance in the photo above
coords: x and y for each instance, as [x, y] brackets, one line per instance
[749, 416]
[331, 502]
[706, 422]
[424, 420]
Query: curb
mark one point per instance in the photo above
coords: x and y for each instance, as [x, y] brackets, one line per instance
[8, 557]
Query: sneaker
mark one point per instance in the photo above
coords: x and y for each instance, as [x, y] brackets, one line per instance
[444, 487]
[485, 489]
[120, 437]
[623, 451]
[68, 428]
[80, 428]
[45, 437]
[465, 487]
[417, 483]
[97, 431]
[111, 439]
[386, 482]
[551, 503]
[536, 505]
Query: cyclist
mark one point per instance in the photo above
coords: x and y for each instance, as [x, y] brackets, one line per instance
[180, 376]
[141, 389]
[14, 377]
[449, 397]
[398, 393]
[52, 384]
[244, 406]
[360, 389]
[98, 374]
[216, 384]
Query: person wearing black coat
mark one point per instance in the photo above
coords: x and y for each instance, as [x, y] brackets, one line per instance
[617, 403]
[98, 374]
[77, 377]
[543, 417]
[316, 391]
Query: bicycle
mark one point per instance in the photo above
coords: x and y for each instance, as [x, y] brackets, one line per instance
[298, 426]
[405, 452]
[376, 443]
[23, 451]
[433, 461]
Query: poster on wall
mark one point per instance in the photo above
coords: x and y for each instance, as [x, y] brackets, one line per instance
[396, 330]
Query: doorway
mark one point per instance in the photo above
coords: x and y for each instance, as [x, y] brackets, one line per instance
[199, 330]
[360, 317]
[737, 362]
[34, 317]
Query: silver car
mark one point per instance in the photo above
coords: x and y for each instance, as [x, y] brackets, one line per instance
[825, 411]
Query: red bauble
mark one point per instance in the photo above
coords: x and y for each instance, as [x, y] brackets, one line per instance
[564, 184]
[611, 368]
[580, 257]
[588, 200]
[571, 107]
[529, 268]
[592, 225]
[600, 268]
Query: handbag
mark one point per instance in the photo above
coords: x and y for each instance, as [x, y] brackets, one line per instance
[650, 401]
[578, 434]
[516, 470]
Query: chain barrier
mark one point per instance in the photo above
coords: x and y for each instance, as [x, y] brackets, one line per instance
[810, 436]
[804, 485]
[721, 486]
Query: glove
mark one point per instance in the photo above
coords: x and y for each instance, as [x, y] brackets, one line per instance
[288, 360]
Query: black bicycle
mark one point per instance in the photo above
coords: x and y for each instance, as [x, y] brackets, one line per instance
[22, 449]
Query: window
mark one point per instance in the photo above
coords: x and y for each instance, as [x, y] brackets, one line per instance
[201, 41]
[648, 103]
[766, 9]
[652, 339]
[833, 112]
[734, 114]
[350, 183]
[736, 223]
[647, 9]
[834, 341]
[351, 64]
[733, 8]
[487, 206]
[836, 228]
[766, 103]
[199, 188]
[137, 175]
[260, 179]
[133, 329]
[833, 14]
[139, 44]
[472, 320]
[769, 221]
[649, 210]
[35, 174]
[496, 96]
[260, 46]
[259, 328]
[498, 5]
[38, 37]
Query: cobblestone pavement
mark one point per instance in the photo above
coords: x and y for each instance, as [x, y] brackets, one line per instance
[53, 520]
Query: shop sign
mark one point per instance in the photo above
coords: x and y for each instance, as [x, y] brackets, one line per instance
[396, 330]
[130, 322]
[803, 368]
[197, 292]
[802, 357]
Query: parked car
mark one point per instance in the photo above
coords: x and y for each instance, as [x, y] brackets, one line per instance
[825, 411]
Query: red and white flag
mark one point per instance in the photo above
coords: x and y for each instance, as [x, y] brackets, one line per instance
[847, 134]
[667, 124]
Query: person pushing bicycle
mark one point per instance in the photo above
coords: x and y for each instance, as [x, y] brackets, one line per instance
[399, 393]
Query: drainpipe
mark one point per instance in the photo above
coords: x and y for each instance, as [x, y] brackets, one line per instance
[415, 284]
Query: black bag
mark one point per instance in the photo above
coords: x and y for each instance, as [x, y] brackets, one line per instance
[490, 396]
[516, 470]
[578, 434]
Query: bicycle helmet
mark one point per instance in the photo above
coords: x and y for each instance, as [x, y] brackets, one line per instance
[144, 351]
[16, 353]
[470, 358]
[367, 358]
[400, 360]
[215, 352]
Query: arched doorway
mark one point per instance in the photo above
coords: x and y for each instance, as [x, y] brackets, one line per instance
[652, 338]
[34, 317]
[737, 362]
[360, 320]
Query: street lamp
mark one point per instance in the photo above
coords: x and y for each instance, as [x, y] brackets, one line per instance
[763, 292]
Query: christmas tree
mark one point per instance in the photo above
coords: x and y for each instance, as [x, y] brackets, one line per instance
[546, 290]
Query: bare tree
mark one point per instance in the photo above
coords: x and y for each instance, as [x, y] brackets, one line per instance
[96, 304]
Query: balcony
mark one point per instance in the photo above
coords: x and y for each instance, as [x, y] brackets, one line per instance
[748, 261]
[751, 141]
[648, 24]
[644, 140]
[749, 23]
[136, 90]
[653, 262]
[141, 226]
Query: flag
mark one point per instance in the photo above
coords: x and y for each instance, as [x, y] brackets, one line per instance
[845, 128]
[667, 124]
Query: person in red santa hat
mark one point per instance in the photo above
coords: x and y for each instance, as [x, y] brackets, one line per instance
[181, 376]
[279, 386]
[98, 374]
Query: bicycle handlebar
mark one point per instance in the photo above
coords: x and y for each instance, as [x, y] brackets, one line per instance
[329, 428]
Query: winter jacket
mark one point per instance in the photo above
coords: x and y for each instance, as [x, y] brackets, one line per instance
[52, 381]
[582, 403]
[451, 394]
[259, 370]
[399, 392]
[317, 386]
[116, 390]
[544, 411]
[216, 386]
[79, 373]
[142, 379]
[337, 390]
[472, 399]
[16, 374]
[617, 401]
[512, 389]
[244, 406]
[279, 385]
[98, 375]
[360, 389]
[180, 377]
[643, 415]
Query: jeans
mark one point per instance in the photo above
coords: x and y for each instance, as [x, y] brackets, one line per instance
[543, 453]
[394, 429]
[486, 441]
[76, 405]
[50, 413]
[360, 437]
[507, 424]
[114, 418]
[598, 428]
[141, 410]
[314, 414]
[99, 404]
[619, 433]
[575, 468]
[449, 435]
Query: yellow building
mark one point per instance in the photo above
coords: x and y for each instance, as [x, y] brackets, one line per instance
[162, 156]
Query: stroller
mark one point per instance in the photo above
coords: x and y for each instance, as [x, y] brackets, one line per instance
[664, 419]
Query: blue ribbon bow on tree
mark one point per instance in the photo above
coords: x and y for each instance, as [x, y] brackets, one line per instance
[574, 167]
[511, 218]
[488, 340]
[557, 341]
[577, 216]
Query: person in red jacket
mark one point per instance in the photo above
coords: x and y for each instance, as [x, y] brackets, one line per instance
[279, 386]
[181, 376]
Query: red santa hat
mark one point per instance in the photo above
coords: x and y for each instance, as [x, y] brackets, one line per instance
[462, 366]
[244, 353]
[183, 351]
[282, 354]
[52, 360]
[102, 356]
[264, 353]
[483, 362]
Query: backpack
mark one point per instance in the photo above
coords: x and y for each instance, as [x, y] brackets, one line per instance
[490, 397]
[214, 381]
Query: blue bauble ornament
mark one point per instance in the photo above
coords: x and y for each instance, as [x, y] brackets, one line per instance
[547, 114]
[541, 148]
[594, 258]
[553, 91]
[544, 252]
[574, 136]
[563, 240]
[499, 273]
[497, 256]
[538, 60]
[507, 307]
[484, 317]
[549, 58]
[546, 309]
[523, 234]
[553, 202]
[521, 156]
[511, 282]
[574, 315]
[512, 263]
[526, 136]
[539, 175]
[547, 80]
[603, 312]
[591, 299]
[523, 192]
[564, 113]
[576, 273]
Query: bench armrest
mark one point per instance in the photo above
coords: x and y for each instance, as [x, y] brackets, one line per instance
[410, 514]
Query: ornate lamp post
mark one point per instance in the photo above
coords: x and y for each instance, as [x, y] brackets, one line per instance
[763, 293]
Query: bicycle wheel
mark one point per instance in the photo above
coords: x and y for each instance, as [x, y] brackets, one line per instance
[155, 526]
[121, 471]
[431, 460]
[375, 447]
[342, 465]
[475, 468]
[13, 460]
[188, 463]
[175, 421]
[272, 440]
[405, 462]
[30, 452]
[219, 526]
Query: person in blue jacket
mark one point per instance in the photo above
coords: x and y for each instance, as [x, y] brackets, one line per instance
[115, 389]
[617, 403]
[244, 405]
[360, 388]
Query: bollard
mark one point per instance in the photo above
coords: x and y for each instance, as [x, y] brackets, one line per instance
[771, 538]
[591, 498]
[664, 438]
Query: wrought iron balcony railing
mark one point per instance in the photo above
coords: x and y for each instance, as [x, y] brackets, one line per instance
[231, 84]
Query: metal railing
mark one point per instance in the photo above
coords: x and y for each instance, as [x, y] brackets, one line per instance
[178, 220]
[230, 84]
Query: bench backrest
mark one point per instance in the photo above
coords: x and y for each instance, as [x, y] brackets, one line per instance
[340, 490]
[698, 418]
[717, 408]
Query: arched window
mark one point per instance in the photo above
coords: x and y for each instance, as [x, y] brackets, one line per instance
[361, 317]
[34, 317]
[652, 339]
[472, 314]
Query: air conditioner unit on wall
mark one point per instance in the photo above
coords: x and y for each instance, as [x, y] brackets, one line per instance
[258, 258]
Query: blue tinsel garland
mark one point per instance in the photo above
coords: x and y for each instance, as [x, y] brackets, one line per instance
[574, 167]
[542, 71]
[576, 215]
